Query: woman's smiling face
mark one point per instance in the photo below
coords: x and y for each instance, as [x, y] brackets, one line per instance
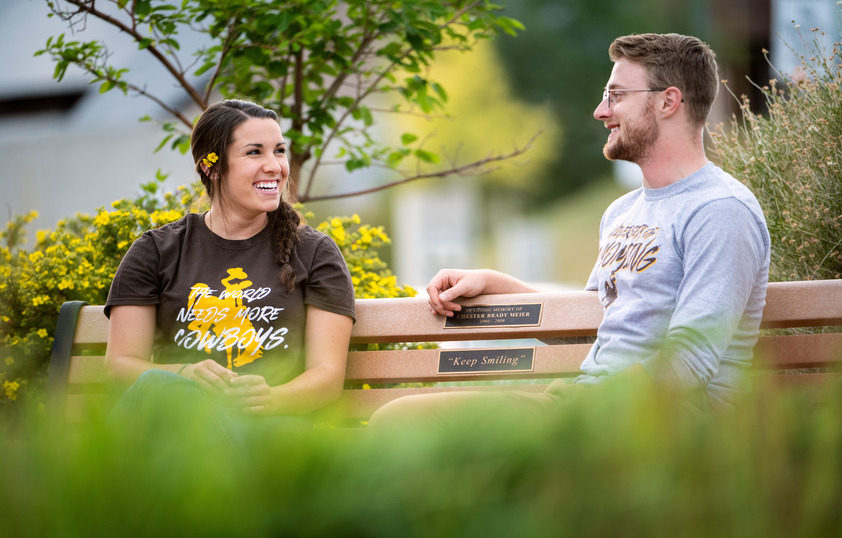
[257, 169]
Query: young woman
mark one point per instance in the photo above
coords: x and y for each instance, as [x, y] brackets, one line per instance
[243, 303]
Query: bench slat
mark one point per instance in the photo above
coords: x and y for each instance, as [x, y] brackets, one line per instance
[410, 320]
[809, 381]
[422, 365]
[86, 369]
[799, 351]
[810, 303]
[92, 327]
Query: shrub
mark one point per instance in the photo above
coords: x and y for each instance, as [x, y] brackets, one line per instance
[77, 261]
[791, 157]
[371, 275]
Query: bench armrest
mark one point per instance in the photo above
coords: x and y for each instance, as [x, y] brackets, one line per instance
[63, 349]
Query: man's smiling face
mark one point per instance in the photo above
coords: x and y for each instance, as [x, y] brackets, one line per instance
[630, 116]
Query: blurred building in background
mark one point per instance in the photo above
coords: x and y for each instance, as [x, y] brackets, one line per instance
[65, 147]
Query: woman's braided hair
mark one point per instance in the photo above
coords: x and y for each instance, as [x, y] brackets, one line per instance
[212, 134]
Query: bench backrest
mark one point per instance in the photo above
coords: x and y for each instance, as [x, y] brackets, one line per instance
[498, 341]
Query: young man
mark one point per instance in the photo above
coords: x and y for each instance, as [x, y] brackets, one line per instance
[683, 261]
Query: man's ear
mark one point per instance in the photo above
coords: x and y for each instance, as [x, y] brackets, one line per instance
[672, 99]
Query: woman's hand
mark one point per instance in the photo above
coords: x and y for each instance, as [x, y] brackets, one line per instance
[210, 375]
[251, 394]
[326, 343]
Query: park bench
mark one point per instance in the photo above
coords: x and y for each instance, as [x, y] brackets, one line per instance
[525, 340]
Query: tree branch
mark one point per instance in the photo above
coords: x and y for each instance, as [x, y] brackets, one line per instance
[226, 49]
[191, 91]
[456, 170]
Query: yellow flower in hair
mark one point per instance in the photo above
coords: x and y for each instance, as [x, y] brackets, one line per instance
[210, 160]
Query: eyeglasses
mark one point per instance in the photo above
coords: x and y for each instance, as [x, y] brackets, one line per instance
[606, 95]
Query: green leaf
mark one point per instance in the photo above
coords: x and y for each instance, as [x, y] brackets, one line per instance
[142, 7]
[205, 67]
[354, 164]
[426, 156]
[440, 91]
[150, 187]
[510, 24]
[277, 69]
[182, 144]
[254, 55]
[163, 143]
[287, 56]
[363, 113]
[394, 159]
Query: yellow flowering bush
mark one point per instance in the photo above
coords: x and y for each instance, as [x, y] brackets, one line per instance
[77, 261]
[371, 276]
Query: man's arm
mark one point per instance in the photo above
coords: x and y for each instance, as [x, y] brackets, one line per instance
[450, 284]
[725, 262]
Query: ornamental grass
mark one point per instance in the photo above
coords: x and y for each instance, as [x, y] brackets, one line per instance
[790, 156]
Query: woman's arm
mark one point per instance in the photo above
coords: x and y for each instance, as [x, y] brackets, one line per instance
[327, 336]
[130, 337]
[129, 351]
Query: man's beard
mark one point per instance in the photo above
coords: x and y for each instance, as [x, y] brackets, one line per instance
[635, 140]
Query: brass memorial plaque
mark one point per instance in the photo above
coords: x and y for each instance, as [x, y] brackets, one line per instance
[496, 315]
[485, 361]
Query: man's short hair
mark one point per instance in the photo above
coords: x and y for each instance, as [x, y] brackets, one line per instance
[685, 62]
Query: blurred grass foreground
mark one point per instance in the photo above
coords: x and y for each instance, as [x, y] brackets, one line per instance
[625, 465]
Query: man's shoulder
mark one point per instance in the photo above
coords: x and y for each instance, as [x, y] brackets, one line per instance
[720, 185]
[625, 200]
[716, 179]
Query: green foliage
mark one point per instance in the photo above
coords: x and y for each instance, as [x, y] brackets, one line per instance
[626, 465]
[327, 66]
[77, 261]
[791, 158]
